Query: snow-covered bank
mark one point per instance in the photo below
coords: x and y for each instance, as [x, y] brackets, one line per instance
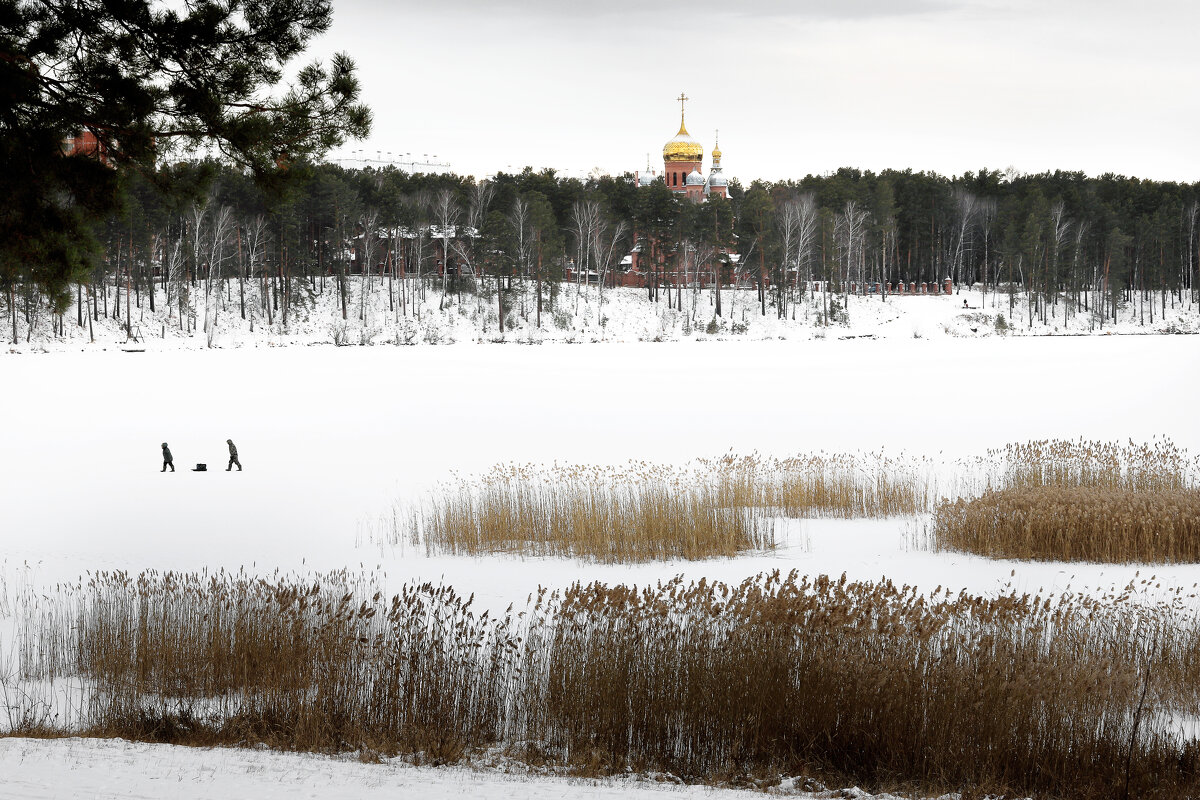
[583, 314]
[113, 769]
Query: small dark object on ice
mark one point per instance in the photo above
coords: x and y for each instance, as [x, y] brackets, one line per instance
[201, 468]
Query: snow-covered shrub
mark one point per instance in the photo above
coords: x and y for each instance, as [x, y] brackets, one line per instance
[406, 332]
[433, 333]
[367, 334]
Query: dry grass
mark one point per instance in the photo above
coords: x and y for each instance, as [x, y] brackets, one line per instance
[1080, 501]
[644, 511]
[863, 682]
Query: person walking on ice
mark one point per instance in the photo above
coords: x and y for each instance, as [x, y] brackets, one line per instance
[168, 460]
[233, 458]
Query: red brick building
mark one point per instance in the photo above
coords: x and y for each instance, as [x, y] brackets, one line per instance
[85, 143]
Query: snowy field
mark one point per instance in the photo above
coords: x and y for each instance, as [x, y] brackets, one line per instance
[331, 437]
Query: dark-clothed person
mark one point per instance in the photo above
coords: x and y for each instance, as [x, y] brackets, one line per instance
[168, 460]
[233, 456]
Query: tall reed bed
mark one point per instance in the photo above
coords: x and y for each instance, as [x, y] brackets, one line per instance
[844, 485]
[1083, 464]
[636, 513]
[227, 658]
[644, 511]
[1080, 501]
[863, 682]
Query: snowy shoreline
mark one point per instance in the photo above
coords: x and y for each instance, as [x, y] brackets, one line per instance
[580, 314]
[115, 769]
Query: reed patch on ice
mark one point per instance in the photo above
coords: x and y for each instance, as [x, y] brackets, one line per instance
[869, 683]
[643, 511]
[1080, 501]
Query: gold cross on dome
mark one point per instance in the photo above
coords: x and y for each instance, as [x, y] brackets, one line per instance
[683, 98]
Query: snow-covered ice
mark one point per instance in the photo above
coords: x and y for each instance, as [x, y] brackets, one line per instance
[331, 436]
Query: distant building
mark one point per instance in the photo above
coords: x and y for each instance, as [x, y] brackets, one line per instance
[85, 143]
[683, 165]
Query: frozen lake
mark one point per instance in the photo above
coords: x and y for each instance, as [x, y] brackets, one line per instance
[330, 437]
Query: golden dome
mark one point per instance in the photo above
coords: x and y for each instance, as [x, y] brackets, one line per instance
[683, 147]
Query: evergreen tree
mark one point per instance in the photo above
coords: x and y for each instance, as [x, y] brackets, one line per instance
[147, 79]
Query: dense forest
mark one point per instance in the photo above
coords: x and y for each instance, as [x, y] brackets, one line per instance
[1068, 243]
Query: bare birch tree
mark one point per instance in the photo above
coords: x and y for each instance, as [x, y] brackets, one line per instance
[218, 239]
[1192, 217]
[851, 240]
[1060, 229]
[966, 206]
[256, 245]
[987, 218]
[446, 215]
[585, 221]
[197, 214]
[608, 246]
[523, 236]
[419, 204]
[787, 226]
[466, 242]
[368, 221]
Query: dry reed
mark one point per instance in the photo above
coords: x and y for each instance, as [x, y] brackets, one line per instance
[1075, 524]
[1080, 501]
[845, 485]
[865, 682]
[644, 511]
[637, 513]
[1084, 464]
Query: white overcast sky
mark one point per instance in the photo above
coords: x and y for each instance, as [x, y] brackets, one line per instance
[795, 86]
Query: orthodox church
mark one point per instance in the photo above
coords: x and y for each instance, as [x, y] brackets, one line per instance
[683, 162]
